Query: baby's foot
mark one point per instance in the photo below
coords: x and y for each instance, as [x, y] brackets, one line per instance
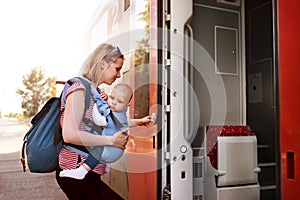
[78, 173]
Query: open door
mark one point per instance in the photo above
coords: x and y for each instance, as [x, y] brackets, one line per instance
[132, 26]
[143, 147]
[176, 74]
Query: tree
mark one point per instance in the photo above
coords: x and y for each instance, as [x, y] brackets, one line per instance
[38, 90]
[141, 69]
[141, 56]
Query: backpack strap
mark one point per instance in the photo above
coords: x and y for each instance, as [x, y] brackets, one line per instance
[87, 86]
[87, 92]
[58, 135]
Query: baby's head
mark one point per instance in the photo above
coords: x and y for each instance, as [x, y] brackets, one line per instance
[120, 97]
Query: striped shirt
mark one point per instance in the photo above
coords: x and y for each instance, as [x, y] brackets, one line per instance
[69, 159]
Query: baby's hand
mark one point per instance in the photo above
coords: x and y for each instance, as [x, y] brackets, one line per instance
[103, 95]
[145, 121]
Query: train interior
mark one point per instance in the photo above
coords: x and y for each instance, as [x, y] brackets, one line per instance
[218, 27]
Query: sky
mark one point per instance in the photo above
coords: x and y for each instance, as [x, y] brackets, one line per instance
[40, 33]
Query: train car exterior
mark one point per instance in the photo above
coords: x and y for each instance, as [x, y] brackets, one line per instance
[288, 62]
[220, 79]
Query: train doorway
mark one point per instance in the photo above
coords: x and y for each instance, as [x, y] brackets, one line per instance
[239, 38]
[262, 95]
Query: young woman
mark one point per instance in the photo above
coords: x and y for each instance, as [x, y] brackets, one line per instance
[102, 66]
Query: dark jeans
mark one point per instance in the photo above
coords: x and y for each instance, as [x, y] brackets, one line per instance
[89, 188]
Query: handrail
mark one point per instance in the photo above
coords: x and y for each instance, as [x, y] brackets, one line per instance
[188, 68]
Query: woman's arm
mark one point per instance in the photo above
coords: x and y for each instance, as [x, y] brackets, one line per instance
[72, 117]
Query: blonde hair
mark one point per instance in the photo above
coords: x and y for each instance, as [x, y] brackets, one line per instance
[91, 68]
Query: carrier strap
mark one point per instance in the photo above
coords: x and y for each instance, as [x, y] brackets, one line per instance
[94, 127]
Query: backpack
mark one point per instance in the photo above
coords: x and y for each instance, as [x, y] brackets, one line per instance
[43, 142]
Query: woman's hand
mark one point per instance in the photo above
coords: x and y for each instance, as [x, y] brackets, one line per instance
[120, 139]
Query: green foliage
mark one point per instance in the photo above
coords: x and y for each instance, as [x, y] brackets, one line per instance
[141, 70]
[37, 91]
[141, 56]
[18, 116]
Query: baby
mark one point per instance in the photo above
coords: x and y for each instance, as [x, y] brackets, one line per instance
[118, 102]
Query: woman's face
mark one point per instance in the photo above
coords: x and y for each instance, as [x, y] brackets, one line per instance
[112, 71]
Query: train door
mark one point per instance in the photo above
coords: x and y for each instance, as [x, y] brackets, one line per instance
[289, 98]
[250, 83]
[205, 73]
[262, 95]
[142, 166]
[128, 25]
[215, 49]
[238, 38]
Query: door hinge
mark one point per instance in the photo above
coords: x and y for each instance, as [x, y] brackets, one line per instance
[167, 108]
[167, 155]
[167, 17]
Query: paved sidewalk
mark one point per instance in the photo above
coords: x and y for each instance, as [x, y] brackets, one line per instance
[17, 185]
[14, 183]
